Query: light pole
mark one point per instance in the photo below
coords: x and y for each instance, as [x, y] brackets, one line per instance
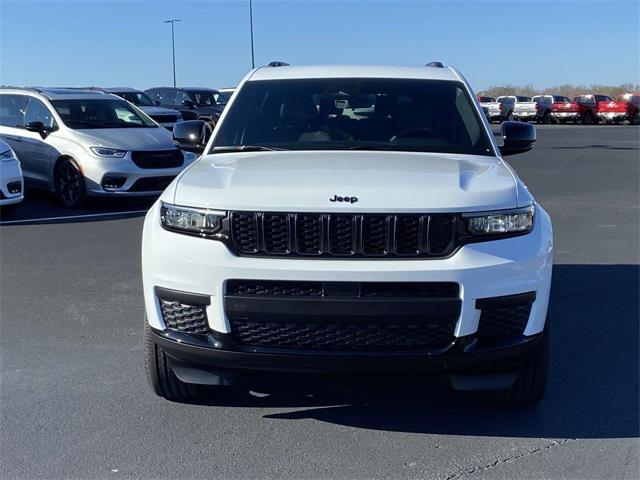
[253, 62]
[173, 48]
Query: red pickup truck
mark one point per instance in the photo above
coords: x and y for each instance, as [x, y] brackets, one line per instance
[625, 107]
[582, 110]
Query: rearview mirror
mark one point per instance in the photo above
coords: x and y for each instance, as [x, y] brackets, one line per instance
[191, 135]
[518, 137]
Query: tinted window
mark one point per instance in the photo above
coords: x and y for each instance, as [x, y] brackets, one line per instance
[523, 99]
[486, 99]
[36, 111]
[394, 114]
[165, 97]
[202, 98]
[11, 109]
[103, 113]
[584, 99]
[137, 98]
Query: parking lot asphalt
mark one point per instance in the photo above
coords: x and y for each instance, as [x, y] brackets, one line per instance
[75, 403]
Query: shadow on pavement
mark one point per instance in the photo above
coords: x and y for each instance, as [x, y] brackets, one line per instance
[593, 390]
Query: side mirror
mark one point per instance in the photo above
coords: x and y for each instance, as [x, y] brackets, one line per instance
[518, 137]
[37, 127]
[191, 135]
[188, 103]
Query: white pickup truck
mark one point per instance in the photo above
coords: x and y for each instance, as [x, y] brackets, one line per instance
[500, 109]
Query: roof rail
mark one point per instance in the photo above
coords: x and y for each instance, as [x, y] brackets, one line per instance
[33, 89]
[435, 64]
[278, 64]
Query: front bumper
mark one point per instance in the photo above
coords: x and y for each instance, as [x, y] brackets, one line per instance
[482, 270]
[138, 181]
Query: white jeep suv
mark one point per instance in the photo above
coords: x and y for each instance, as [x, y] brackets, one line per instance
[80, 143]
[349, 219]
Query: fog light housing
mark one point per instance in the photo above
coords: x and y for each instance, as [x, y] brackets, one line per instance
[112, 183]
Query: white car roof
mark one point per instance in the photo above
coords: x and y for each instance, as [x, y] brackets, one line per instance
[354, 71]
[57, 93]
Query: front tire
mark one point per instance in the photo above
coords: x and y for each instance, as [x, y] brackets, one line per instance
[163, 381]
[69, 184]
[531, 384]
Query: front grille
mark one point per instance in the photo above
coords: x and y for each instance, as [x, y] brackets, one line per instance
[342, 316]
[151, 184]
[166, 118]
[503, 317]
[158, 158]
[342, 235]
[184, 318]
[343, 337]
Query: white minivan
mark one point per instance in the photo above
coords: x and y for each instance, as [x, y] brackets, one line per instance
[80, 143]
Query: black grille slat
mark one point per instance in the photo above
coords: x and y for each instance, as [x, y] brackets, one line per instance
[342, 235]
[184, 318]
[274, 288]
[277, 233]
[408, 234]
[441, 234]
[244, 231]
[309, 230]
[158, 158]
[376, 234]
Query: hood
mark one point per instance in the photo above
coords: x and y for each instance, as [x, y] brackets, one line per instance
[382, 182]
[156, 138]
[158, 111]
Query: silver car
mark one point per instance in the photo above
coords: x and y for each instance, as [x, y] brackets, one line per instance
[85, 143]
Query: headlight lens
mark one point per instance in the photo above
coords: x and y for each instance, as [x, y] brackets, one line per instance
[191, 220]
[108, 152]
[496, 223]
[7, 156]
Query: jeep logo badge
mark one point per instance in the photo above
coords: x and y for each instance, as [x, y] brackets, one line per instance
[336, 198]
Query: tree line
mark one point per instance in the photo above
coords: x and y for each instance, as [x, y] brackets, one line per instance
[567, 90]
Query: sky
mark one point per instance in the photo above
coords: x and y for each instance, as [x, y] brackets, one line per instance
[125, 42]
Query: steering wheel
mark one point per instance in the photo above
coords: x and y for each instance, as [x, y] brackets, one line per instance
[419, 132]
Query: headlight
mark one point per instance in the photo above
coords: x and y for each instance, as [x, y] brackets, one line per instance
[503, 222]
[108, 152]
[7, 156]
[191, 220]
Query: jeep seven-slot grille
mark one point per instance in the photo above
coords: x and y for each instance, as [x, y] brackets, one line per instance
[342, 235]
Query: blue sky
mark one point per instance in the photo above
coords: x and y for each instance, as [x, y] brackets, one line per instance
[125, 43]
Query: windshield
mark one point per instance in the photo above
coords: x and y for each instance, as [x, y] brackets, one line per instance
[359, 113]
[140, 99]
[523, 99]
[584, 99]
[203, 98]
[100, 113]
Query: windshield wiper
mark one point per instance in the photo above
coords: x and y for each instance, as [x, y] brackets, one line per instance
[243, 148]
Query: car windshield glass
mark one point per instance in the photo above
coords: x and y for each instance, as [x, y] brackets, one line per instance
[203, 98]
[222, 97]
[100, 113]
[140, 99]
[355, 113]
[523, 99]
[584, 99]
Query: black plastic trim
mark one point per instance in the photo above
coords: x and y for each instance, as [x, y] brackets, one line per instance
[182, 297]
[505, 301]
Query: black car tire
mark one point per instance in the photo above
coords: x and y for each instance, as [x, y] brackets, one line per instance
[69, 184]
[635, 120]
[530, 386]
[587, 119]
[160, 374]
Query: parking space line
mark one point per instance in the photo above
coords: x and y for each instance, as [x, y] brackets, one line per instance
[71, 217]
